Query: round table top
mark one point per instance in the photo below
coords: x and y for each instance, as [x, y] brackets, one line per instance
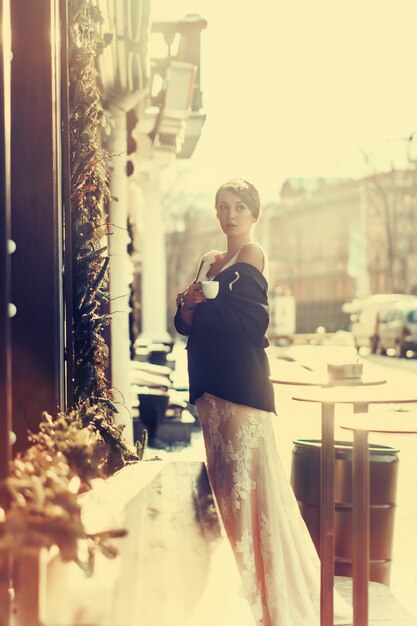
[317, 381]
[356, 395]
[285, 372]
[386, 422]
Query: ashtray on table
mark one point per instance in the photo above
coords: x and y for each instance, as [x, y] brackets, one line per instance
[344, 373]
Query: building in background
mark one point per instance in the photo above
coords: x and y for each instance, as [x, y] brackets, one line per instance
[392, 231]
[330, 241]
[307, 236]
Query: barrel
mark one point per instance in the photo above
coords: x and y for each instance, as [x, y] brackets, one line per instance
[305, 481]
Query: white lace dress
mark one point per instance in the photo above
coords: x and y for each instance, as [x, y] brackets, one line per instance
[279, 566]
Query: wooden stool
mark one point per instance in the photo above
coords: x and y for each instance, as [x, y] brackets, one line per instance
[362, 424]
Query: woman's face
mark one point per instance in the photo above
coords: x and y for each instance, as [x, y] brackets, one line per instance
[234, 215]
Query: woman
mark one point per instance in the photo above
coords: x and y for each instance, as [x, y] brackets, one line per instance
[229, 383]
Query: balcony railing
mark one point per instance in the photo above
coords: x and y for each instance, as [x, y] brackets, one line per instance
[181, 118]
[170, 117]
[123, 62]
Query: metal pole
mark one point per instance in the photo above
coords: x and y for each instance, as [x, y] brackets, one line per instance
[327, 514]
[361, 533]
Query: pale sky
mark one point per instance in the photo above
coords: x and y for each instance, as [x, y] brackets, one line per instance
[299, 87]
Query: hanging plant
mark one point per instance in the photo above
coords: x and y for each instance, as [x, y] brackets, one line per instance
[89, 123]
[89, 194]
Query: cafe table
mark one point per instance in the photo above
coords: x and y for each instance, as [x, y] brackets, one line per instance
[362, 424]
[360, 396]
[288, 373]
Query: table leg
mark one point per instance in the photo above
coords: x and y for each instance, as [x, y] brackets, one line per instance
[327, 515]
[360, 527]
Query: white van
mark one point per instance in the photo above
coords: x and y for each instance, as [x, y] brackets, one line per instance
[365, 330]
[399, 328]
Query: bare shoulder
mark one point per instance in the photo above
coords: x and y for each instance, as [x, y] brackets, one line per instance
[253, 254]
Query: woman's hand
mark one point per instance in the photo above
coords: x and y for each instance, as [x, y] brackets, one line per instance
[179, 296]
[193, 295]
[187, 300]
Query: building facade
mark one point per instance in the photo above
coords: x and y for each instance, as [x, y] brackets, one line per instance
[330, 241]
[392, 232]
[308, 243]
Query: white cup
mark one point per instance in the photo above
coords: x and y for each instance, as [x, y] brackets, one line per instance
[210, 288]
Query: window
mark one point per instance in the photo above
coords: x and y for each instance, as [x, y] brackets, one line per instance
[412, 316]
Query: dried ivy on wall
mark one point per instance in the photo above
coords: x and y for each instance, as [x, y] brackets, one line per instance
[89, 122]
[89, 194]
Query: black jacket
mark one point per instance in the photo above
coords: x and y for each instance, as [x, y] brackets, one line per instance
[227, 341]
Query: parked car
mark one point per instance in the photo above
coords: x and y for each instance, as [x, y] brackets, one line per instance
[366, 329]
[398, 329]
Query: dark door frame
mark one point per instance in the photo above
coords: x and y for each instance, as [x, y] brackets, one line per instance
[38, 329]
[5, 340]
